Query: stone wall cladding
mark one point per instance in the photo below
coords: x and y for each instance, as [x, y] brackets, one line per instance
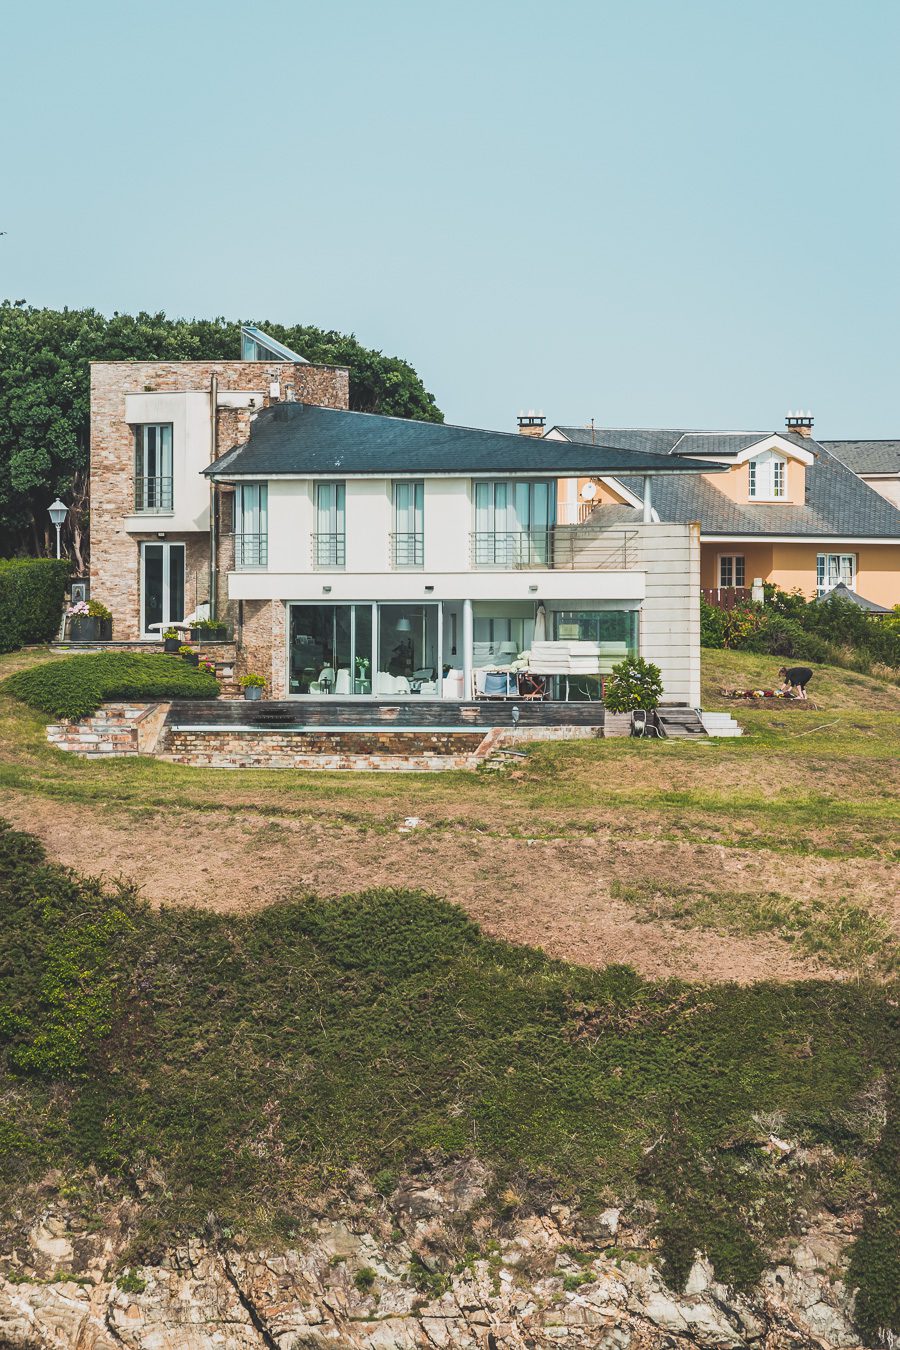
[362, 750]
[115, 730]
[115, 555]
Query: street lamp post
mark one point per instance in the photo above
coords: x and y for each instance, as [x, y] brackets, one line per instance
[58, 512]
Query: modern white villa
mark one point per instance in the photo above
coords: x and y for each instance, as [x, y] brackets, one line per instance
[364, 557]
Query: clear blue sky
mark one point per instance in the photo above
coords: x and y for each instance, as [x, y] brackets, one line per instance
[678, 212]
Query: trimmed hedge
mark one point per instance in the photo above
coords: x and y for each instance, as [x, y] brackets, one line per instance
[77, 685]
[32, 591]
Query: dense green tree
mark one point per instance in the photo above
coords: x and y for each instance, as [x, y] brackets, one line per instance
[45, 398]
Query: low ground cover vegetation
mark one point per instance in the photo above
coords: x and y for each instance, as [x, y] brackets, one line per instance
[77, 685]
[228, 1066]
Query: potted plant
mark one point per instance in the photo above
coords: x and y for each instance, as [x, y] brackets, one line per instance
[89, 621]
[188, 654]
[208, 667]
[362, 669]
[634, 685]
[171, 640]
[253, 686]
[209, 630]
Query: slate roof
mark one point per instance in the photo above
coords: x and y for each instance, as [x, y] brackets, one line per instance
[843, 592]
[867, 456]
[837, 504]
[305, 440]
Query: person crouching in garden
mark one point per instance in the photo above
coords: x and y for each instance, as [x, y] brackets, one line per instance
[795, 678]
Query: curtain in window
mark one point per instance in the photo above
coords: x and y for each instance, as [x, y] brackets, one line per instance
[409, 503]
[330, 524]
[251, 525]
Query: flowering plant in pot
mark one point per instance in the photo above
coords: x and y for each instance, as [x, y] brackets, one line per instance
[208, 667]
[253, 686]
[89, 621]
[171, 640]
[188, 654]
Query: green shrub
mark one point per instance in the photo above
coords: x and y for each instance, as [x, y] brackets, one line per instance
[832, 630]
[32, 591]
[77, 685]
[364, 1279]
[634, 683]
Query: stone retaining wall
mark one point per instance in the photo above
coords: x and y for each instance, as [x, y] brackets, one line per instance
[409, 751]
[115, 729]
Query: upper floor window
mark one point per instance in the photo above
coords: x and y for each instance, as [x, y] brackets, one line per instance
[153, 466]
[768, 476]
[514, 521]
[833, 568]
[408, 537]
[251, 535]
[329, 539]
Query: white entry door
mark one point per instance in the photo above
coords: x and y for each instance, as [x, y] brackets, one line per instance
[162, 586]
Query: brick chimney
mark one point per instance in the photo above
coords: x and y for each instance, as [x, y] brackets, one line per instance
[801, 423]
[531, 423]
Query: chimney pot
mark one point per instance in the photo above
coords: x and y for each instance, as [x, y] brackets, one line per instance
[531, 423]
[801, 423]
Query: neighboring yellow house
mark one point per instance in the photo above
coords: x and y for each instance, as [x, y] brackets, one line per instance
[789, 511]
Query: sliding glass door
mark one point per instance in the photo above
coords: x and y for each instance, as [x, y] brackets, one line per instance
[361, 650]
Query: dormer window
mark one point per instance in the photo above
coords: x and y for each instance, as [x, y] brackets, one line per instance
[768, 477]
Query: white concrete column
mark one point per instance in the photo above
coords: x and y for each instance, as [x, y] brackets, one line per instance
[468, 634]
[647, 517]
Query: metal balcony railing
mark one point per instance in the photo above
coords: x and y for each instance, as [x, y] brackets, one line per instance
[152, 494]
[329, 550]
[573, 548]
[407, 551]
[251, 550]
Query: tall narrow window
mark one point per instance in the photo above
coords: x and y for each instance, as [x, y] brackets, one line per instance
[251, 537]
[153, 467]
[329, 541]
[408, 542]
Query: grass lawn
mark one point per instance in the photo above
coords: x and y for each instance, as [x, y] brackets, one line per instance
[801, 811]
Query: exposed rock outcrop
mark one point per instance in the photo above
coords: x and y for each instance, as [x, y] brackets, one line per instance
[428, 1268]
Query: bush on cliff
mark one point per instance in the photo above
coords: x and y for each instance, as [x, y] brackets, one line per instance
[235, 1066]
[77, 685]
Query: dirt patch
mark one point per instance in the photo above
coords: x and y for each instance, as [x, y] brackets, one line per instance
[553, 894]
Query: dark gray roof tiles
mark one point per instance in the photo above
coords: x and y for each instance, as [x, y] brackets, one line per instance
[838, 503]
[867, 456]
[302, 439]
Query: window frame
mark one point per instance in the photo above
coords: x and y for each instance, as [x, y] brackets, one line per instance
[330, 545]
[734, 559]
[164, 449]
[822, 570]
[767, 477]
[257, 554]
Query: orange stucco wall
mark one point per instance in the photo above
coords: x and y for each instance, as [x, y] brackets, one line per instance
[793, 566]
[735, 484]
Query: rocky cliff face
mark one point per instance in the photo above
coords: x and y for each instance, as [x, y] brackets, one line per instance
[427, 1267]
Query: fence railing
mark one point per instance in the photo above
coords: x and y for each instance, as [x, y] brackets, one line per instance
[152, 494]
[329, 550]
[727, 597]
[574, 548]
[251, 550]
[407, 551]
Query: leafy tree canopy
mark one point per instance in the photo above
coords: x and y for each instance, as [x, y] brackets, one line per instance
[45, 395]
